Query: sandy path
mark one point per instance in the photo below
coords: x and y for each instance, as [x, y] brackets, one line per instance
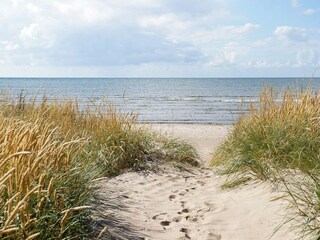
[205, 138]
[189, 205]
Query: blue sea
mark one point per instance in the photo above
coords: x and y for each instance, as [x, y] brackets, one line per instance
[165, 100]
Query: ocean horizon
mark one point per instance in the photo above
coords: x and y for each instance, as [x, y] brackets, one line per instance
[160, 100]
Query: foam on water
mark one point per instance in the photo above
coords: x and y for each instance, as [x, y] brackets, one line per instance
[178, 100]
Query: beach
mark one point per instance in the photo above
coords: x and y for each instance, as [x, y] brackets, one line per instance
[178, 204]
[160, 120]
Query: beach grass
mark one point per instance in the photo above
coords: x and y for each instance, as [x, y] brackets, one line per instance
[282, 132]
[279, 140]
[41, 181]
[51, 152]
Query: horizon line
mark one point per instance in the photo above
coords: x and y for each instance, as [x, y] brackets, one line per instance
[74, 77]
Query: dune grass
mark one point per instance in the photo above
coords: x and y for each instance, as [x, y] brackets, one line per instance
[52, 151]
[279, 140]
[282, 132]
[40, 181]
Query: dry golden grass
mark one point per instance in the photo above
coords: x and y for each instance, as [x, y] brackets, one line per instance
[115, 144]
[51, 152]
[32, 160]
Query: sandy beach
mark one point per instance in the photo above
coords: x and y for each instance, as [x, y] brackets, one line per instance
[174, 204]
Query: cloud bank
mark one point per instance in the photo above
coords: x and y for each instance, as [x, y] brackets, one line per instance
[152, 38]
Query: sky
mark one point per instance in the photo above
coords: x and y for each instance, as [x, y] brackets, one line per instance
[159, 38]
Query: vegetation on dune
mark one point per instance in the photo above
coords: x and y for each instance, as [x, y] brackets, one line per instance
[41, 181]
[51, 152]
[282, 133]
[280, 140]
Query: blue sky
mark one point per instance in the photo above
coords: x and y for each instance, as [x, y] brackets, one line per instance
[159, 38]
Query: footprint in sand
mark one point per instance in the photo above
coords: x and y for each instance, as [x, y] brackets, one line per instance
[186, 232]
[185, 210]
[171, 197]
[155, 217]
[210, 205]
[177, 219]
[192, 219]
[183, 203]
[183, 193]
[165, 223]
[214, 236]
[201, 183]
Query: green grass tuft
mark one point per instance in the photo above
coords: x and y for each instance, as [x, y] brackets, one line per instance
[280, 140]
[283, 133]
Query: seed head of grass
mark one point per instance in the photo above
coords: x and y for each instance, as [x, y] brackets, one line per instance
[52, 151]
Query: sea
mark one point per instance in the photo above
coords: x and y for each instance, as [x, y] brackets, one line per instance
[159, 100]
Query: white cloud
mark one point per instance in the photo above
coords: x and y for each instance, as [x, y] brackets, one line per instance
[264, 64]
[292, 38]
[306, 57]
[39, 34]
[231, 51]
[168, 21]
[234, 30]
[230, 56]
[85, 11]
[121, 33]
[15, 2]
[107, 32]
[225, 33]
[32, 8]
[30, 31]
[295, 3]
[291, 33]
[9, 46]
[310, 11]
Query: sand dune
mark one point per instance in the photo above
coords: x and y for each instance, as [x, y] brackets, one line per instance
[189, 205]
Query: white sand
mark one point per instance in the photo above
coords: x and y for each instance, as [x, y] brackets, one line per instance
[190, 205]
[205, 138]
